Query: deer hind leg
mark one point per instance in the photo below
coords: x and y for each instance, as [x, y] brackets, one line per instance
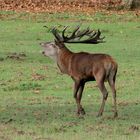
[104, 97]
[111, 82]
[78, 90]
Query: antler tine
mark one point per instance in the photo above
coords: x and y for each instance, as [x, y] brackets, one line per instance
[55, 33]
[97, 35]
[95, 38]
[101, 38]
[74, 32]
[87, 31]
[63, 33]
[91, 32]
[73, 35]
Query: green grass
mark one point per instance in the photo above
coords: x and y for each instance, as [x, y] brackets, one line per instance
[36, 101]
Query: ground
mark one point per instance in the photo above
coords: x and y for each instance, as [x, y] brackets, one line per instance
[36, 100]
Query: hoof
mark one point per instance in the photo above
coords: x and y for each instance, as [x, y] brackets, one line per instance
[99, 115]
[81, 112]
[115, 115]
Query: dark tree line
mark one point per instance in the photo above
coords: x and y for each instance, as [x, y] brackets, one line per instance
[132, 4]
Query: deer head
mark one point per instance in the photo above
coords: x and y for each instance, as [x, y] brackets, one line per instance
[51, 49]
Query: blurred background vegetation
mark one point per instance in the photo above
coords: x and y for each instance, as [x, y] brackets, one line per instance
[66, 5]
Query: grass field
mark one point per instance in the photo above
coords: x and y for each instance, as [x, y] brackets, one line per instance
[36, 101]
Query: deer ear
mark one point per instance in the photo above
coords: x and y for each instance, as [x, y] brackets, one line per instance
[56, 41]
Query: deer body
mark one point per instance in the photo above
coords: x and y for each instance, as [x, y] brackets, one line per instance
[83, 67]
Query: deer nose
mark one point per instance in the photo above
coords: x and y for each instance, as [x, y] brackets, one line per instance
[43, 52]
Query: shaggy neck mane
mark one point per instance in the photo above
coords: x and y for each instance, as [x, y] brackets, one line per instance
[64, 59]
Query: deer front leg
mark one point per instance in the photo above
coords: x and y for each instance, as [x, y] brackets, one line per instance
[78, 89]
[79, 97]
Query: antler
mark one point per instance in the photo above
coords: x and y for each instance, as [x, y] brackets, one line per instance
[90, 36]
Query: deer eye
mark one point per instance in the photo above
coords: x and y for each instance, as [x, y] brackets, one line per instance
[53, 46]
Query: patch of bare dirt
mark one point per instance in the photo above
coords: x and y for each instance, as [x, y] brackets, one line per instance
[99, 127]
[16, 56]
[37, 76]
[1, 59]
[43, 139]
[126, 103]
[134, 128]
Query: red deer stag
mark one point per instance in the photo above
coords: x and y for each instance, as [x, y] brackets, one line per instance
[83, 66]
